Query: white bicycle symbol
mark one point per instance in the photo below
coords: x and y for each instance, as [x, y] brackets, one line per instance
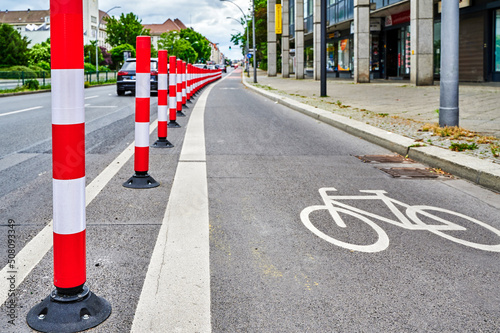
[410, 221]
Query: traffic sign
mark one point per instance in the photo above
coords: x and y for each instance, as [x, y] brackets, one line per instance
[249, 55]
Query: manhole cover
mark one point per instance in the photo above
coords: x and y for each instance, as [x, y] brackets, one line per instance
[384, 159]
[410, 173]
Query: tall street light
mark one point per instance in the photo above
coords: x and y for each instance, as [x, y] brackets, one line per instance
[96, 46]
[253, 41]
[246, 46]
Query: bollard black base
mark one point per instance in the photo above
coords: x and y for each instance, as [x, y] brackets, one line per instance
[189, 101]
[141, 180]
[185, 106]
[180, 114]
[162, 143]
[60, 313]
[173, 124]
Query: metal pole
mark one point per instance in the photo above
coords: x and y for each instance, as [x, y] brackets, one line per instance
[254, 49]
[96, 42]
[448, 109]
[323, 49]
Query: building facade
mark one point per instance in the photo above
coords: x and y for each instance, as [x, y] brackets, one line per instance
[391, 39]
[158, 29]
[35, 24]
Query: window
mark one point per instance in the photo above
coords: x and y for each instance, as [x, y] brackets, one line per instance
[93, 19]
[497, 41]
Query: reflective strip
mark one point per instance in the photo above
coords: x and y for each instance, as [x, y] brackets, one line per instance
[69, 205]
[179, 96]
[143, 85]
[183, 92]
[162, 81]
[179, 79]
[142, 134]
[68, 96]
[172, 102]
[162, 113]
[172, 79]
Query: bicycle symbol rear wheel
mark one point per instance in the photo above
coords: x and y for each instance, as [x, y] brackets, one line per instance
[413, 211]
[381, 244]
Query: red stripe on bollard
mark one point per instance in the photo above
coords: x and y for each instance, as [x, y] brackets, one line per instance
[141, 179]
[172, 96]
[141, 161]
[184, 83]
[162, 141]
[68, 155]
[63, 309]
[69, 260]
[179, 88]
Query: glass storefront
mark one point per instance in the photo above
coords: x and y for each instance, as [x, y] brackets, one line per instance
[497, 41]
[344, 59]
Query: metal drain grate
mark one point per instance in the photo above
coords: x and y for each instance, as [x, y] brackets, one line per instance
[384, 159]
[410, 173]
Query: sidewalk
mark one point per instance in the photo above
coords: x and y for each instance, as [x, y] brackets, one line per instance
[400, 117]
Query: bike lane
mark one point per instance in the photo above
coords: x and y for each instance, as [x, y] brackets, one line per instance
[270, 273]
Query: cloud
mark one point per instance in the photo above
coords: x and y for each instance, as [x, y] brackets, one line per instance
[208, 17]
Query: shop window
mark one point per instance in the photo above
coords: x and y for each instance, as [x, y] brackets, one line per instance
[497, 41]
[344, 55]
[437, 48]
[330, 61]
[309, 57]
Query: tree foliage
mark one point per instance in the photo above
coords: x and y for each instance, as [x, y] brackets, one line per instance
[39, 55]
[117, 54]
[89, 53]
[260, 33]
[124, 30]
[13, 47]
[186, 44]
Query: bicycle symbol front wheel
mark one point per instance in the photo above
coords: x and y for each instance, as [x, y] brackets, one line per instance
[454, 231]
[381, 244]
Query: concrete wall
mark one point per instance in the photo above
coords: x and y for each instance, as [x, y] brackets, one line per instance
[362, 41]
[422, 42]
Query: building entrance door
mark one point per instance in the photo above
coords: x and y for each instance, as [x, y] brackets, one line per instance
[398, 53]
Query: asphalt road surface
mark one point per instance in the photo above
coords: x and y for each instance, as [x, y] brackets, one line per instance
[239, 237]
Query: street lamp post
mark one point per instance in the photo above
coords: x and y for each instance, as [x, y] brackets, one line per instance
[253, 41]
[246, 46]
[96, 42]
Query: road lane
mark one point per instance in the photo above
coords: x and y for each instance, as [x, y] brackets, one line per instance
[270, 273]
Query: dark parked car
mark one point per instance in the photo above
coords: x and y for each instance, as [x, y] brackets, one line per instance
[125, 79]
[222, 67]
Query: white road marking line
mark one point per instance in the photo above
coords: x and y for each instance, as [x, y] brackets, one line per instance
[31, 254]
[100, 106]
[23, 110]
[90, 97]
[176, 292]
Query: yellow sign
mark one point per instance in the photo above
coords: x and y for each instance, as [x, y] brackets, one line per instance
[278, 19]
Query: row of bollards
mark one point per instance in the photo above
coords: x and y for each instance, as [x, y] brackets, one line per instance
[71, 306]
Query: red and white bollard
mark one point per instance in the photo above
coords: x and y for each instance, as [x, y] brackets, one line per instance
[141, 178]
[65, 307]
[162, 141]
[179, 88]
[172, 90]
[184, 85]
[189, 82]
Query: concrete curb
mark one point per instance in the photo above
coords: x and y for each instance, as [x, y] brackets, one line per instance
[481, 172]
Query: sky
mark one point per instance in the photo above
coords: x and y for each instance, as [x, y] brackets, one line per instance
[208, 17]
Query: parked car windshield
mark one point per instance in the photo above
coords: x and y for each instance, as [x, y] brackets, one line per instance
[130, 65]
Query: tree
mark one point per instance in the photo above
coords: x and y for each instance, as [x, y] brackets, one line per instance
[186, 44]
[13, 47]
[183, 49]
[89, 53]
[117, 54]
[198, 42]
[39, 55]
[124, 30]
